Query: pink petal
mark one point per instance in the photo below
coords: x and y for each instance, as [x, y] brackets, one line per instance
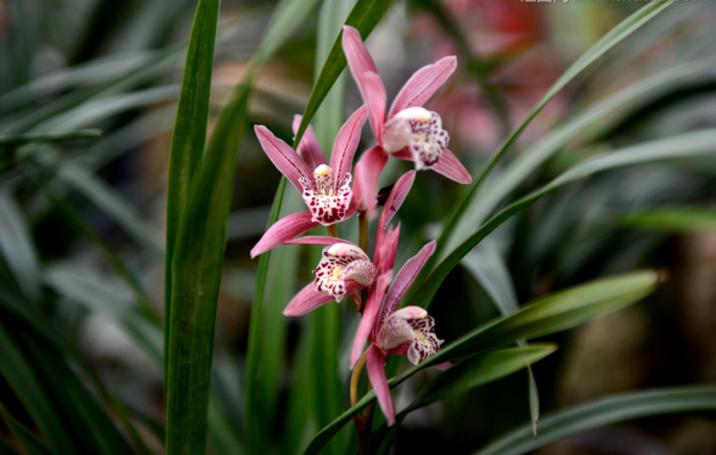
[386, 246]
[284, 230]
[308, 148]
[373, 92]
[449, 166]
[376, 374]
[366, 76]
[308, 299]
[344, 148]
[423, 84]
[405, 277]
[283, 157]
[367, 172]
[396, 198]
[367, 321]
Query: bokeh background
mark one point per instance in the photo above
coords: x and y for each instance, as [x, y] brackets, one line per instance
[82, 218]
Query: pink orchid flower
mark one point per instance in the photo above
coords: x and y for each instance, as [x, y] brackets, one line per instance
[345, 269]
[408, 331]
[325, 187]
[386, 246]
[409, 131]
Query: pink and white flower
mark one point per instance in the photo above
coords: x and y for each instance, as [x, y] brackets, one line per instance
[408, 331]
[409, 131]
[324, 186]
[344, 269]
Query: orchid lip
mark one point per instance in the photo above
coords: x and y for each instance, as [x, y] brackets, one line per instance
[340, 263]
[409, 331]
[420, 130]
[327, 199]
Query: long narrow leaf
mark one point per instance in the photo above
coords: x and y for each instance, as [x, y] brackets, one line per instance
[618, 408]
[546, 315]
[608, 41]
[682, 146]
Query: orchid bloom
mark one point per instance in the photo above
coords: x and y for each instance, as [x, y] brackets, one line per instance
[325, 187]
[344, 269]
[409, 131]
[405, 331]
[386, 246]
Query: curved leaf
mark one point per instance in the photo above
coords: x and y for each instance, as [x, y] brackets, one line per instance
[544, 316]
[602, 412]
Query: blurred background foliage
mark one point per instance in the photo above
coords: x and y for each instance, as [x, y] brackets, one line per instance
[88, 90]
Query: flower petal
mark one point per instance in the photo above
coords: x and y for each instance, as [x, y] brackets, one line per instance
[308, 299]
[283, 230]
[283, 157]
[423, 84]
[366, 76]
[405, 277]
[308, 149]
[373, 92]
[386, 246]
[396, 198]
[449, 166]
[344, 148]
[376, 374]
[367, 172]
[370, 311]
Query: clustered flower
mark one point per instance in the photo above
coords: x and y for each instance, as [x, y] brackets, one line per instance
[333, 194]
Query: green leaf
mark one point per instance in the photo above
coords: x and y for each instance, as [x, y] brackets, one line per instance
[470, 374]
[681, 146]
[189, 336]
[485, 263]
[608, 41]
[606, 411]
[189, 132]
[16, 247]
[364, 16]
[26, 438]
[553, 313]
[198, 253]
[16, 140]
[601, 114]
[25, 384]
[673, 219]
[544, 316]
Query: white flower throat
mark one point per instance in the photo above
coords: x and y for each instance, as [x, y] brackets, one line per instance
[327, 199]
[420, 130]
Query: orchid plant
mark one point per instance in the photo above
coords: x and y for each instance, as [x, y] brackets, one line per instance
[410, 132]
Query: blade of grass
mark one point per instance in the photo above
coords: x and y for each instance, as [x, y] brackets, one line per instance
[608, 41]
[189, 134]
[200, 243]
[606, 411]
[16, 247]
[673, 219]
[16, 140]
[601, 114]
[546, 315]
[27, 439]
[681, 146]
[467, 375]
[490, 271]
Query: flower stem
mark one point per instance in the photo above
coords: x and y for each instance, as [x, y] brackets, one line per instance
[363, 243]
[332, 230]
[355, 376]
[363, 230]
